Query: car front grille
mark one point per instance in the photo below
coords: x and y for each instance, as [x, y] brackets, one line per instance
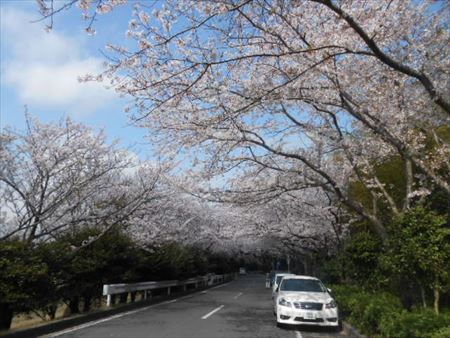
[301, 319]
[309, 306]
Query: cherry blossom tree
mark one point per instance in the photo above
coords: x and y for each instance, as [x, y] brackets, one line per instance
[55, 177]
[289, 95]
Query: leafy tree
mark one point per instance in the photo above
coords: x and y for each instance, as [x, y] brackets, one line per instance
[419, 248]
[24, 280]
[360, 256]
[109, 259]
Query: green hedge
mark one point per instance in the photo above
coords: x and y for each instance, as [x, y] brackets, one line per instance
[417, 324]
[443, 332]
[381, 314]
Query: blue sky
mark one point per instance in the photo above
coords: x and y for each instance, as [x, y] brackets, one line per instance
[40, 70]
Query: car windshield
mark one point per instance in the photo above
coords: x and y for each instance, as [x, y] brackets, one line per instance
[279, 278]
[303, 285]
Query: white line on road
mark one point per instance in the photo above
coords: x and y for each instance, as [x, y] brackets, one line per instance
[238, 295]
[170, 301]
[213, 312]
[79, 327]
[219, 286]
[298, 334]
[82, 326]
[185, 297]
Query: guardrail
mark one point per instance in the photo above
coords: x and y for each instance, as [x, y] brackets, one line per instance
[146, 287]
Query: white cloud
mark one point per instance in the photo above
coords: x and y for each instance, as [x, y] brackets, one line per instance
[44, 67]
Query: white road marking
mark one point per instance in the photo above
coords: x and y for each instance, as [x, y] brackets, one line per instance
[298, 334]
[186, 297]
[170, 301]
[213, 312]
[79, 327]
[238, 295]
[82, 326]
[219, 286]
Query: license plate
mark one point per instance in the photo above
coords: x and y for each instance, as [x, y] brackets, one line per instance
[309, 315]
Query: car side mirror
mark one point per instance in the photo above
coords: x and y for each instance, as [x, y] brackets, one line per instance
[276, 290]
[329, 290]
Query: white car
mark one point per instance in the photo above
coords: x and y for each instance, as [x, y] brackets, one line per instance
[305, 300]
[276, 282]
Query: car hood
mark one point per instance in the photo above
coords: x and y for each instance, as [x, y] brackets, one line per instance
[315, 297]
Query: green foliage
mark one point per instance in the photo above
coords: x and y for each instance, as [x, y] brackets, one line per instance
[38, 277]
[24, 280]
[443, 332]
[364, 309]
[419, 324]
[360, 257]
[380, 305]
[419, 248]
[444, 133]
[391, 173]
[171, 261]
[381, 314]
[357, 191]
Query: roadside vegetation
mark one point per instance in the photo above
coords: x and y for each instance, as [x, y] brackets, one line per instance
[315, 129]
[400, 288]
[50, 277]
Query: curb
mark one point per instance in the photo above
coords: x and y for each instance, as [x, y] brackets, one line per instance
[350, 331]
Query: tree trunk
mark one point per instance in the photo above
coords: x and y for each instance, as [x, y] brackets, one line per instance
[436, 299]
[133, 296]
[87, 303]
[422, 295]
[6, 316]
[409, 183]
[73, 305]
[51, 311]
[123, 298]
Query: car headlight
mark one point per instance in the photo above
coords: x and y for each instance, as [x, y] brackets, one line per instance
[284, 302]
[331, 305]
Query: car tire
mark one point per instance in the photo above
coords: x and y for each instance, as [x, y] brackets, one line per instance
[280, 325]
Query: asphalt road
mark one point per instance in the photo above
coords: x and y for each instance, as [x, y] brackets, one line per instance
[242, 308]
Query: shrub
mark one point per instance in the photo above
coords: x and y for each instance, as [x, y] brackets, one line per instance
[363, 309]
[443, 332]
[418, 324]
[380, 304]
[344, 295]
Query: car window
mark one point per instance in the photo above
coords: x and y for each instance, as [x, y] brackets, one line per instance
[303, 285]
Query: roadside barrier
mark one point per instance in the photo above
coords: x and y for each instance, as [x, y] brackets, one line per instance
[112, 289]
[147, 287]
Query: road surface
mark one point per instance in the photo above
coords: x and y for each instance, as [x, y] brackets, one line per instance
[241, 308]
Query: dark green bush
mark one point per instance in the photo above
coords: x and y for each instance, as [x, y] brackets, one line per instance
[443, 332]
[344, 295]
[417, 324]
[380, 304]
